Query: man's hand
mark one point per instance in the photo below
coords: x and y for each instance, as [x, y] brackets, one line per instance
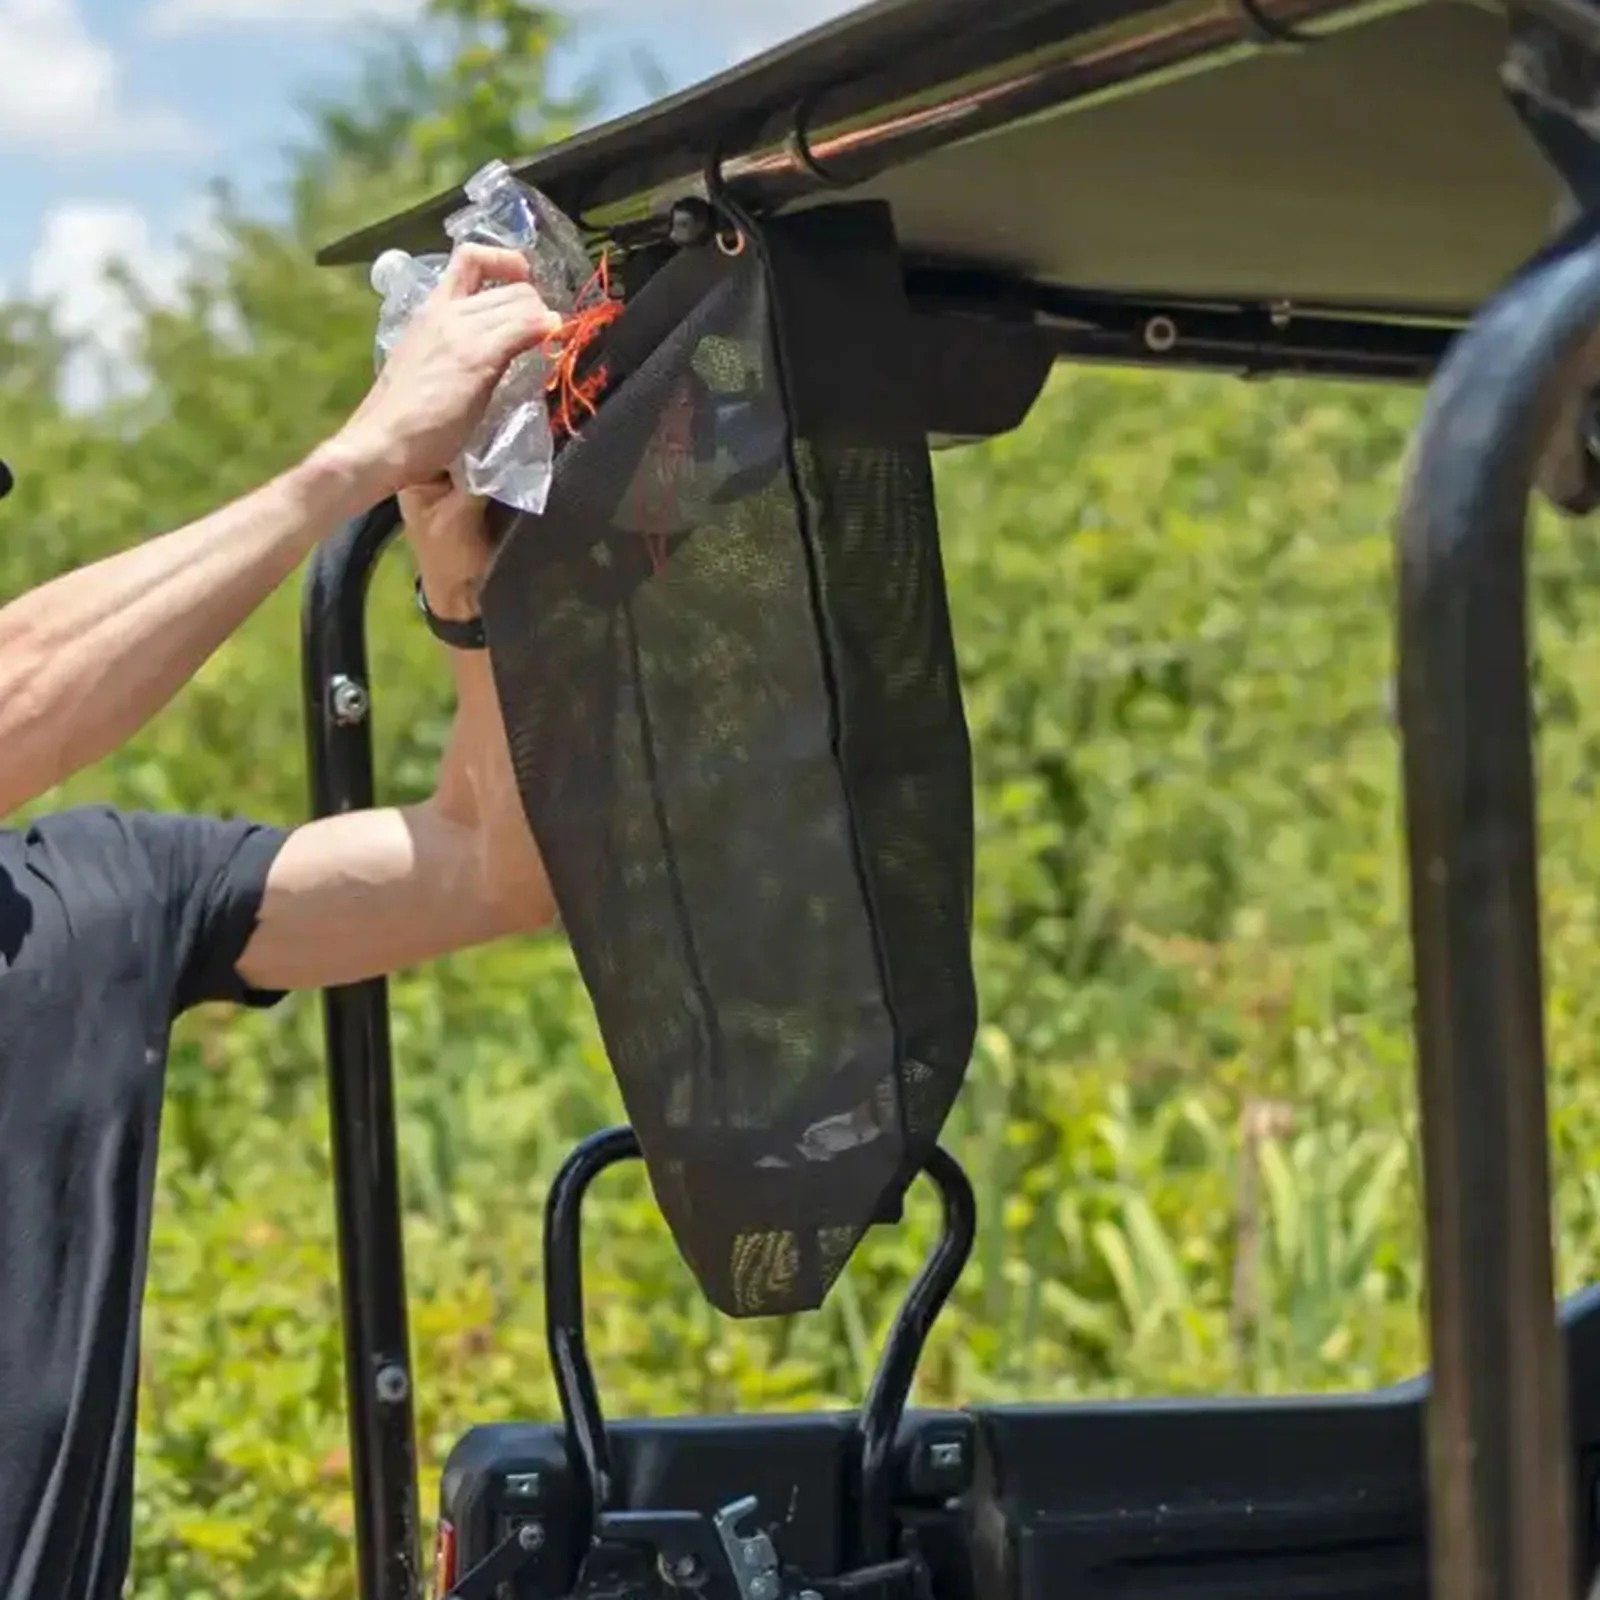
[433, 389]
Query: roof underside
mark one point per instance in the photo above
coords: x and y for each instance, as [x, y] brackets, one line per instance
[1378, 168]
[1375, 168]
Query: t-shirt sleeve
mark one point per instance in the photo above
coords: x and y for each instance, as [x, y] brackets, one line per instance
[213, 876]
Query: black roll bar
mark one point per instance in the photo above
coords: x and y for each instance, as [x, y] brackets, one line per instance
[366, 1163]
[1500, 1479]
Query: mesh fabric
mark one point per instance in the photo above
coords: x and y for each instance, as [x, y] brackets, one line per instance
[725, 661]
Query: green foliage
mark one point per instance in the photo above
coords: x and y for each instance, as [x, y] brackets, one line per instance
[1190, 1115]
[432, 110]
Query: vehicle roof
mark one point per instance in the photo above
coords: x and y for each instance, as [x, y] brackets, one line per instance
[1354, 158]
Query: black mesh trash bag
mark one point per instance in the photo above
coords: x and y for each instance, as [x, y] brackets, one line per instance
[725, 661]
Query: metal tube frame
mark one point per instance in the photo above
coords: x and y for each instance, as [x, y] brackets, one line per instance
[848, 137]
[894, 91]
[1500, 1474]
[366, 1164]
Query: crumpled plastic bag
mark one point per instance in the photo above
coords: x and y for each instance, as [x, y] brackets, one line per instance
[511, 454]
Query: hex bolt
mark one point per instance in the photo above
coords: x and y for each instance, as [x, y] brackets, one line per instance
[686, 1569]
[392, 1383]
[531, 1536]
[348, 700]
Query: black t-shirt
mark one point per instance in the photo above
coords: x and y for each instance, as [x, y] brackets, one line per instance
[111, 924]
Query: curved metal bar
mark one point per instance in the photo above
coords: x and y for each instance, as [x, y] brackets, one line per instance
[563, 1310]
[886, 1400]
[890, 1392]
[1499, 1476]
[366, 1166]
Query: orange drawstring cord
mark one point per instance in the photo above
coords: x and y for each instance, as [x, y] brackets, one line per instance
[572, 397]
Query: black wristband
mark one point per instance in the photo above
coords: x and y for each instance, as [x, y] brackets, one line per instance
[465, 634]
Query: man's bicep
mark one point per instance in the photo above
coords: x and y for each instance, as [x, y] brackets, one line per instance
[365, 894]
[212, 875]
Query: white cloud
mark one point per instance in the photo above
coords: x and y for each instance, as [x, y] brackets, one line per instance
[63, 90]
[79, 245]
[194, 16]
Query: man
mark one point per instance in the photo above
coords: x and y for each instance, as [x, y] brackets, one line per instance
[113, 924]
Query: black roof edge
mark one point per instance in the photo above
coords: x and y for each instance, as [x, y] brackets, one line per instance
[676, 135]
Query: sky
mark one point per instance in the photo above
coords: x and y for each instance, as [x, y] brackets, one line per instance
[115, 114]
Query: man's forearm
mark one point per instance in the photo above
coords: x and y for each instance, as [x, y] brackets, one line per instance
[87, 660]
[476, 787]
[370, 892]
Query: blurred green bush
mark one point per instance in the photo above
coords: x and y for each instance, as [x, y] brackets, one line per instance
[1190, 1117]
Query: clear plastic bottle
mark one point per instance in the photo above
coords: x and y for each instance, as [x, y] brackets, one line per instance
[511, 454]
[403, 282]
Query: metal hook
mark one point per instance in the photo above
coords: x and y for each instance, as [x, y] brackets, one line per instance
[798, 142]
[735, 218]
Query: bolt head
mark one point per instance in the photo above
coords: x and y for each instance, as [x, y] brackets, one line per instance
[392, 1384]
[348, 700]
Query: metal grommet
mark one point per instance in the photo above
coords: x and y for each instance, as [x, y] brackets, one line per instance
[1160, 335]
[730, 241]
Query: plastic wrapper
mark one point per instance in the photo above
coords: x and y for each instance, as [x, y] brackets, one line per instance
[510, 455]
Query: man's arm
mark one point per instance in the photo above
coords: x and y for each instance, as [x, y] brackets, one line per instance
[87, 660]
[372, 892]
